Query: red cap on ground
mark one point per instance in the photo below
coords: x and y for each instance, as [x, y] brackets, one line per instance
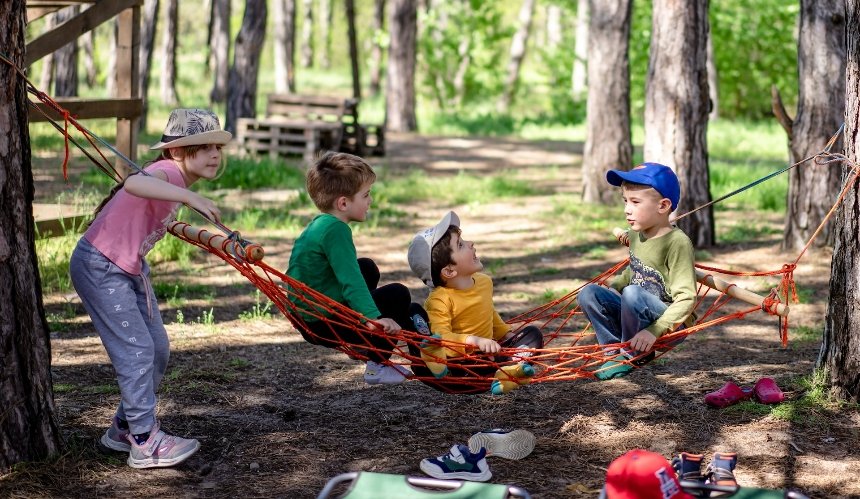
[642, 474]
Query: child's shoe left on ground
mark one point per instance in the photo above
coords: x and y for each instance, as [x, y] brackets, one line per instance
[515, 444]
[115, 438]
[458, 464]
[721, 471]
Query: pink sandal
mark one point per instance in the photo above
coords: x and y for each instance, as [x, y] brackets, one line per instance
[729, 394]
[766, 391]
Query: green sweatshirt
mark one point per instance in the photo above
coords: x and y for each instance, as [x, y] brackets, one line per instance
[664, 267]
[324, 258]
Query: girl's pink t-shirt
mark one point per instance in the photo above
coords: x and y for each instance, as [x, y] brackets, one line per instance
[128, 226]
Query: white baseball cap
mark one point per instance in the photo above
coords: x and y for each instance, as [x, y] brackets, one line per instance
[422, 244]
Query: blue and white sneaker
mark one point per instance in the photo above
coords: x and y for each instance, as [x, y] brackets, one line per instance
[458, 464]
[515, 444]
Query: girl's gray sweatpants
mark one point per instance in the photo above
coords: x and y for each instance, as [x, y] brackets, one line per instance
[123, 309]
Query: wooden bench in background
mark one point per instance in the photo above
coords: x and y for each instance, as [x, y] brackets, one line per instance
[306, 125]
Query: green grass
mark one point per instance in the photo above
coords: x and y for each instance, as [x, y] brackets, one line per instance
[249, 174]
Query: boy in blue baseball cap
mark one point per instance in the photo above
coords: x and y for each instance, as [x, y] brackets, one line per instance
[657, 290]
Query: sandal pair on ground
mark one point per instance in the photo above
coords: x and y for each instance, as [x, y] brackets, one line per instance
[469, 462]
[765, 391]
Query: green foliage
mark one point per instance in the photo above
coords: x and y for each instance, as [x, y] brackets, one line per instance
[260, 311]
[245, 173]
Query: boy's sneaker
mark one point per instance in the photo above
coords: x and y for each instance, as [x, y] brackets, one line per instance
[515, 444]
[458, 464]
[161, 450]
[116, 438]
[688, 466]
[615, 368]
[722, 467]
[380, 374]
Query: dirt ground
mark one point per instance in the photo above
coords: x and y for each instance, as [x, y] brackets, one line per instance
[278, 417]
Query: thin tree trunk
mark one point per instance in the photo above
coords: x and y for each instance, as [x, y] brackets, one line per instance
[308, 33]
[518, 53]
[91, 69]
[29, 431]
[110, 79]
[578, 83]
[284, 12]
[242, 84]
[400, 81]
[607, 144]
[220, 49]
[464, 50]
[47, 77]
[713, 82]
[353, 48]
[147, 45]
[66, 60]
[553, 26]
[840, 352]
[820, 110]
[440, 73]
[168, 53]
[378, 28]
[325, 33]
[676, 107]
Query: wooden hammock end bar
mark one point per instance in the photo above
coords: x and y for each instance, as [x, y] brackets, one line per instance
[252, 253]
[722, 286]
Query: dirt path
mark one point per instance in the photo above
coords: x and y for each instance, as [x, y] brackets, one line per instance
[278, 417]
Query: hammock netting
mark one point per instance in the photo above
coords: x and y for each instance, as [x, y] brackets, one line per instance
[570, 350]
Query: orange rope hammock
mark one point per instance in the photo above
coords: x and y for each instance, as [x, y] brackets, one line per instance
[567, 356]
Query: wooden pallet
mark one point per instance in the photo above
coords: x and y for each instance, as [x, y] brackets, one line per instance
[280, 137]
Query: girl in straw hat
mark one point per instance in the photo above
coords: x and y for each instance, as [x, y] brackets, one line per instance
[111, 276]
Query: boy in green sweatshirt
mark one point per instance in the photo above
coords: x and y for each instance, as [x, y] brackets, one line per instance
[324, 258]
[657, 291]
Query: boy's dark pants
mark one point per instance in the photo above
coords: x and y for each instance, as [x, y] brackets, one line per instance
[392, 300]
[461, 374]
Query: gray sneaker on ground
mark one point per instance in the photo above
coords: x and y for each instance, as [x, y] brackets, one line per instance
[116, 438]
[515, 444]
[161, 450]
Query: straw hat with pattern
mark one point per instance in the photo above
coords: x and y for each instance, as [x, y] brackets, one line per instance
[192, 127]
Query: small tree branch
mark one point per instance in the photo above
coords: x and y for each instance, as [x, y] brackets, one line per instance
[779, 111]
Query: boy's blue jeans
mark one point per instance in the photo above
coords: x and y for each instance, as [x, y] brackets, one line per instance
[617, 317]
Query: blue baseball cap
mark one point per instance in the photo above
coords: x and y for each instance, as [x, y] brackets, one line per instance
[655, 175]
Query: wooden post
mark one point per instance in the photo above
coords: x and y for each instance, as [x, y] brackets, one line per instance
[127, 67]
[353, 48]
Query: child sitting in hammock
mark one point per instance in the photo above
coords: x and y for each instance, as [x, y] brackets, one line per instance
[657, 291]
[460, 312]
[324, 258]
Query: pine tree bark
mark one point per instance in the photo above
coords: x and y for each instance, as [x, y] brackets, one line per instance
[676, 107]
[168, 53]
[285, 45]
[29, 431]
[66, 60]
[400, 82]
[307, 53]
[378, 28]
[147, 44]
[242, 83]
[518, 53]
[607, 144]
[219, 45]
[578, 82]
[820, 110]
[840, 351]
[325, 33]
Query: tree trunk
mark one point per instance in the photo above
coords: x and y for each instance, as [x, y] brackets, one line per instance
[518, 53]
[91, 69]
[676, 107]
[820, 110]
[29, 431]
[578, 83]
[464, 50]
[325, 33]
[607, 144]
[284, 12]
[147, 44]
[110, 77]
[47, 77]
[440, 68]
[378, 28]
[840, 351]
[353, 48]
[713, 82]
[242, 84]
[66, 60]
[553, 26]
[220, 49]
[168, 53]
[400, 83]
[308, 33]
